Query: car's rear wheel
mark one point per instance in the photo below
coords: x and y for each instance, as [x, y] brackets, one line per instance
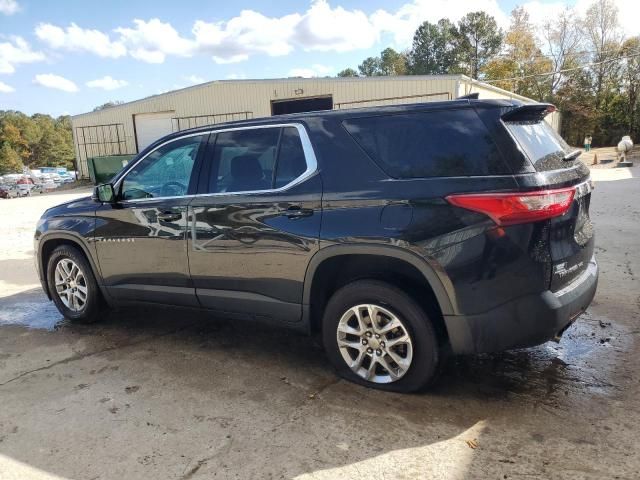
[377, 335]
[72, 285]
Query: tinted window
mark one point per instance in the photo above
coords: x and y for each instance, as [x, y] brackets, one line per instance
[243, 160]
[165, 172]
[256, 159]
[428, 144]
[291, 161]
[540, 142]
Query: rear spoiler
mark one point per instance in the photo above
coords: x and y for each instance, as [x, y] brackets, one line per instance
[529, 113]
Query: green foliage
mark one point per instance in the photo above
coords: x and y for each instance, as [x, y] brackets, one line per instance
[435, 49]
[479, 40]
[389, 62]
[35, 141]
[370, 67]
[9, 160]
[347, 72]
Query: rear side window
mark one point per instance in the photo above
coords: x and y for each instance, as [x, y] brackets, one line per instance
[540, 142]
[443, 143]
[256, 159]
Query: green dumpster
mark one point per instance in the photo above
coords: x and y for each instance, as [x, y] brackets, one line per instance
[102, 169]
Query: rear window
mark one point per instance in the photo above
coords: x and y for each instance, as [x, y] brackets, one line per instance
[540, 142]
[428, 144]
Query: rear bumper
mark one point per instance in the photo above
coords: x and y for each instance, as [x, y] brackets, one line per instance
[524, 322]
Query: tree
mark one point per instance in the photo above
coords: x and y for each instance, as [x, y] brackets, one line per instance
[9, 160]
[392, 62]
[109, 104]
[347, 72]
[10, 134]
[522, 58]
[562, 36]
[604, 39]
[631, 82]
[370, 67]
[435, 49]
[479, 40]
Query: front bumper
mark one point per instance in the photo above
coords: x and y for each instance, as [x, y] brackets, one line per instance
[524, 322]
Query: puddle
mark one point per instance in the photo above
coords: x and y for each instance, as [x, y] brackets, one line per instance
[584, 362]
[29, 309]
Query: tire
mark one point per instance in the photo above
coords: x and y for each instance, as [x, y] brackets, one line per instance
[419, 355]
[72, 306]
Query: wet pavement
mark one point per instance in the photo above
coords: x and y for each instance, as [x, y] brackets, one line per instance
[162, 393]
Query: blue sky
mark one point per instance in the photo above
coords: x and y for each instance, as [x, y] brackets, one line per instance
[68, 56]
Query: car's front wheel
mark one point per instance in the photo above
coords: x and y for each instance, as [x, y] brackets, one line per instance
[377, 335]
[72, 285]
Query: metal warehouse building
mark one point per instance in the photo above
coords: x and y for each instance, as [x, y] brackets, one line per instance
[130, 127]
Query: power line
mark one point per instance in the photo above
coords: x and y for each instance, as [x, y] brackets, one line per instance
[580, 67]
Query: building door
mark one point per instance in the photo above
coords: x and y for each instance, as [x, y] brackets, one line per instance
[299, 105]
[152, 126]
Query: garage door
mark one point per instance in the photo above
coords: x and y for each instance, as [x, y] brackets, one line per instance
[152, 126]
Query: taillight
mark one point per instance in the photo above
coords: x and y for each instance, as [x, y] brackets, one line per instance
[521, 207]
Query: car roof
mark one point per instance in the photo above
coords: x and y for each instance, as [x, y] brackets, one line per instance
[353, 112]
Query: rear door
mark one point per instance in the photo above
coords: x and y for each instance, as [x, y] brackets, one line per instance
[571, 238]
[255, 223]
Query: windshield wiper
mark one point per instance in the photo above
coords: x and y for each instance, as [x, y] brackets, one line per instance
[572, 156]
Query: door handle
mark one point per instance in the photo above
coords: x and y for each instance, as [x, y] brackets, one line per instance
[169, 216]
[296, 211]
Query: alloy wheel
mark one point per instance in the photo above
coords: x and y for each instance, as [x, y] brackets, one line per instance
[374, 343]
[71, 285]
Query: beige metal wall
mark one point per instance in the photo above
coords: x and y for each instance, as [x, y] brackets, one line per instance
[252, 99]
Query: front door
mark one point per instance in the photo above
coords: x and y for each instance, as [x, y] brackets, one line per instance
[141, 239]
[256, 225]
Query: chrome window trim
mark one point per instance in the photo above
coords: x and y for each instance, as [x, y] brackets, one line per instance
[309, 157]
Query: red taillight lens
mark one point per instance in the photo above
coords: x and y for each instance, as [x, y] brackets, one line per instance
[514, 208]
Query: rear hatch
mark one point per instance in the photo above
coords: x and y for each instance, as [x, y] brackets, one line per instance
[571, 239]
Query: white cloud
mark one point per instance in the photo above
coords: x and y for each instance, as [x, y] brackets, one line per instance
[9, 7]
[249, 33]
[236, 76]
[16, 51]
[325, 29]
[321, 27]
[403, 23]
[75, 38]
[4, 88]
[628, 12]
[57, 82]
[152, 41]
[315, 70]
[194, 79]
[107, 83]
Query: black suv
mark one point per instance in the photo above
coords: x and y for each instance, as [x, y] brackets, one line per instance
[397, 233]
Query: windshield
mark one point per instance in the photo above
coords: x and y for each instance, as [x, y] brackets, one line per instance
[541, 143]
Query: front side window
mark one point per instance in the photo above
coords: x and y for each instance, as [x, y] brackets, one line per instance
[256, 159]
[165, 172]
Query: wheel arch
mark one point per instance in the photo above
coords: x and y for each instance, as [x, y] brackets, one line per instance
[49, 242]
[397, 260]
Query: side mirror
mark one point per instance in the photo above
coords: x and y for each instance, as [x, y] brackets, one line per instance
[104, 193]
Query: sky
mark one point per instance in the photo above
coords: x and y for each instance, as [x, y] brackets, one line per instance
[69, 56]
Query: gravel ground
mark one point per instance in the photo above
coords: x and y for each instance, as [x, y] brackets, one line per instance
[168, 394]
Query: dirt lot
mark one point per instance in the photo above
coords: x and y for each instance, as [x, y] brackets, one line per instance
[166, 394]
